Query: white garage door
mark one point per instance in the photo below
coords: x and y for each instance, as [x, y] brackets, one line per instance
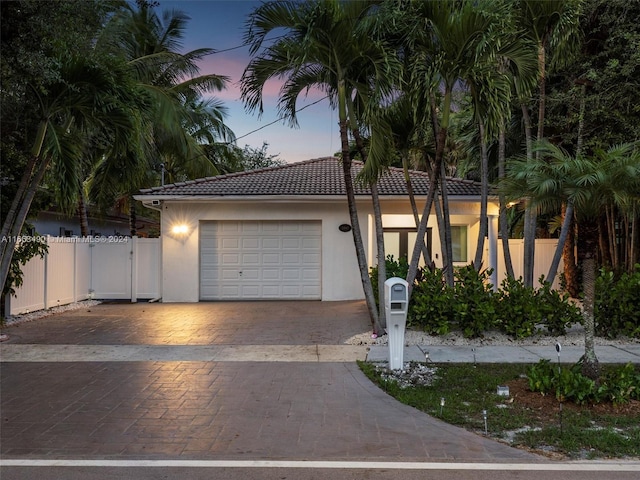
[260, 260]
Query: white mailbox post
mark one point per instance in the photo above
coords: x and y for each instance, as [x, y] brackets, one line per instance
[396, 301]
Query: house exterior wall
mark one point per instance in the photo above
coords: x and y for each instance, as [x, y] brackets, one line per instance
[340, 273]
[180, 253]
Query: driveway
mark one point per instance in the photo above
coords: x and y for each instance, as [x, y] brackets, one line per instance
[82, 399]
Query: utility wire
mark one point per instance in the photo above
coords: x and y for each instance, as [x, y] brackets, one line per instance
[277, 120]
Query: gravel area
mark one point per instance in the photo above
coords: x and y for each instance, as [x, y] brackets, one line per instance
[38, 314]
[574, 336]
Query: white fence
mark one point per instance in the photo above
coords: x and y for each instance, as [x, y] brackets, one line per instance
[545, 249]
[76, 269]
[126, 268]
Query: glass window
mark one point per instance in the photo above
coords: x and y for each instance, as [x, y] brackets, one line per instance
[459, 242]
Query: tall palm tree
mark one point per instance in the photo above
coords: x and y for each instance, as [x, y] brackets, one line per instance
[180, 121]
[553, 25]
[447, 41]
[589, 184]
[325, 46]
[88, 96]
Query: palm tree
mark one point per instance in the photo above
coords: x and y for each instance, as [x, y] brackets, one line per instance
[173, 131]
[447, 41]
[590, 185]
[553, 25]
[88, 96]
[325, 46]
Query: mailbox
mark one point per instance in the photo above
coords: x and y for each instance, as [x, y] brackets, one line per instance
[396, 303]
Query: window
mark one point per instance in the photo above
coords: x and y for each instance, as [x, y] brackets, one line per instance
[399, 242]
[459, 242]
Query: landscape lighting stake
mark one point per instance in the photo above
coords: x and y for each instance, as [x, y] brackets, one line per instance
[441, 405]
[558, 349]
[474, 356]
[484, 416]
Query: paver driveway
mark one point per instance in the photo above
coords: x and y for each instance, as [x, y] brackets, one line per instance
[213, 409]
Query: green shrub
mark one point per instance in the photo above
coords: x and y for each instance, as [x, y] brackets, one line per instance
[541, 377]
[432, 304]
[617, 304]
[474, 301]
[518, 311]
[619, 384]
[556, 310]
[394, 268]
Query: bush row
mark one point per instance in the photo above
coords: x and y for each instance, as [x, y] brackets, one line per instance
[473, 307]
[619, 385]
[617, 304]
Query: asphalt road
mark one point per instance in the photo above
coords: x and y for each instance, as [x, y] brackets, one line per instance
[315, 471]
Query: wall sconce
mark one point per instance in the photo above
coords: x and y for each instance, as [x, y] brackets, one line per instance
[180, 229]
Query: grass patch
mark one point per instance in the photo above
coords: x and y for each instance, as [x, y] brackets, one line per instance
[525, 419]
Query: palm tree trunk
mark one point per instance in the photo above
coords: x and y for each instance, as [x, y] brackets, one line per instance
[382, 264]
[504, 223]
[377, 215]
[82, 212]
[567, 225]
[422, 231]
[20, 217]
[426, 255]
[353, 213]
[484, 195]
[530, 219]
[635, 233]
[568, 247]
[12, 213]
[587, 250]
[441, 139]
[132, 216]
[447, 249]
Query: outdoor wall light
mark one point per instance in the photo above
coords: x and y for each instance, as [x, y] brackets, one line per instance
[180, 229]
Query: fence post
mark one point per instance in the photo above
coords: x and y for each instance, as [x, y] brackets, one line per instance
[134, 269]
[46, 275]
[493, 249]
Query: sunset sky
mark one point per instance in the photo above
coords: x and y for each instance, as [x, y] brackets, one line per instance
[219, 24]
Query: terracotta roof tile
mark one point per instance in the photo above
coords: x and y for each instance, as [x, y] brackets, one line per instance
[320, 176]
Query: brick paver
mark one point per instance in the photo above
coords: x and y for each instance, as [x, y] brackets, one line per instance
[215, 409]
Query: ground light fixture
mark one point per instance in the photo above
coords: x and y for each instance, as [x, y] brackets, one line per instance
[484, 416]
[441, 405]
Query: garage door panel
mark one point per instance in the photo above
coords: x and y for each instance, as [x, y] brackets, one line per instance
[229, 242]
[288, 242]
[230, 259]
[250, 259]
[249, 227]
[271, 259]
[271, 243]
[290, 274]
[311, 274]
[311, 243]
[260, 259]
[271, 274]
[250, 243]
[291, 258]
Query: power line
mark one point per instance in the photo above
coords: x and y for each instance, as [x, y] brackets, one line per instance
[278, 119]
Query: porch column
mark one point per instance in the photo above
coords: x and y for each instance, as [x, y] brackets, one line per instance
[493, 249]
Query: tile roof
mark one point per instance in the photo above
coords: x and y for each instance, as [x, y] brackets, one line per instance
[320, 176]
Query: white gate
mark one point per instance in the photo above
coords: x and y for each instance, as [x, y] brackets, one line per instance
[76, 269]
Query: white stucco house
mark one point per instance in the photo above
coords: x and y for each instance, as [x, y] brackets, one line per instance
[283, 232]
